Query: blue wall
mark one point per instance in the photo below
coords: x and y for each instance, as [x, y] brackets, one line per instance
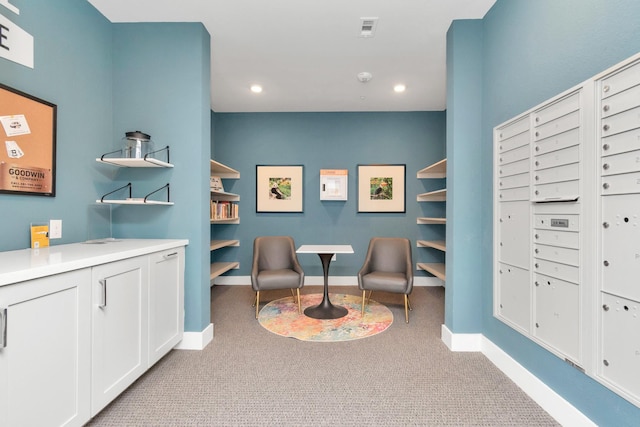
[73, 69]
[107, 79]
[463, 311]
[329, 141]
[533, 50]
[161, 87]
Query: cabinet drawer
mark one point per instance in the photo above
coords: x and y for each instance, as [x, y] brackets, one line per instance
[557, 222]
[557, 314]
[620, 143]
[626, 183]
[558, 109]
[620, 343]
[620, 81]
[521, 166]
[558, 174]
[555, 253]
[566, 272]
[622, 122]
[513, 181]
[516, 141]
[514, 155]
[621, 102]
[557, 142]
[559, 125]
[558, 158]
[514, 128]
[514, 295]
[564, 239]
[621, 163]
[557, 190]
[512, 194]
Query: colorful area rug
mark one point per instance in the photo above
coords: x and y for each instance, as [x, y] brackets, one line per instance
[281, 317]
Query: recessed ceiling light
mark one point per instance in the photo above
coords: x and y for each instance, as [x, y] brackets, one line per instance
[399, 88]
[256, 88]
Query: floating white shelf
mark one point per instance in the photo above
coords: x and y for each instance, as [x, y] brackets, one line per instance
[218, 244]
[437, 269]
[436, 170]
[224, 196]
[134, 202]
[427, 220]
[433, 196]
[223, 171]
[218, 268]
[440, 245]
[226, 221]
[135, 163]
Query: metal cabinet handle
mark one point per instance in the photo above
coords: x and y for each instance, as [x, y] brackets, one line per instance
[169, 256]
[103, 302]
[3, 327]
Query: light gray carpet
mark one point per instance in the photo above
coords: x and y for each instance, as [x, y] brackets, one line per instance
[248, 376]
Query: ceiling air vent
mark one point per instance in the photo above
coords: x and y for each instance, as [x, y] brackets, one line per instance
[368, 26]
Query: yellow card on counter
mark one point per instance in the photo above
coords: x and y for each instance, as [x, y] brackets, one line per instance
[39, 236]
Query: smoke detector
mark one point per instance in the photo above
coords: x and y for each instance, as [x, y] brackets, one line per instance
[364, 76]
[368, 27]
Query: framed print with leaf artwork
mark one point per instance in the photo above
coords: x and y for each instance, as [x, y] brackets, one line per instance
[279, 188]
[28, 154]
[381, 188]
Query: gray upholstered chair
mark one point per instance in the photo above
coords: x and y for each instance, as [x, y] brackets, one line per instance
[387, 267]
[275, 266]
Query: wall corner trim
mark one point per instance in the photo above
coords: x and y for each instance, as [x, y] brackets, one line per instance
[556, 406]
[196, 340]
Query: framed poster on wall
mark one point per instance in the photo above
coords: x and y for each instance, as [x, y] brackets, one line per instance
[381, 188]
[279, 188]
[28, 152]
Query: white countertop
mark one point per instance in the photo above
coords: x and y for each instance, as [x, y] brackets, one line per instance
[28, 264]
[325, 249]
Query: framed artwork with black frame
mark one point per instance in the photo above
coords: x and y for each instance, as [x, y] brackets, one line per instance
[28, 158]
[381, 188]
[279, 188]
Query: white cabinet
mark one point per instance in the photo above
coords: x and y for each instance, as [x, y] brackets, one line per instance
[224, 210]
[85, 324]
[435, 171]
[166, 302]
[119, 328]
[44, 352]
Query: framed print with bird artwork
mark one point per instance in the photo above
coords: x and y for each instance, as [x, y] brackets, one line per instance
[279, 188]
[381, 188]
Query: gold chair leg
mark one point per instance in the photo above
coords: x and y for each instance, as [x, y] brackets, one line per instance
[363, 298]
[299, 306]
[409, 301]
[369, 299]
[293, 295]
[406, 308]
[257, 303]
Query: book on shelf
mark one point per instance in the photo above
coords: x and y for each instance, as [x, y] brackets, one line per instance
[216, 184]
[223, 210]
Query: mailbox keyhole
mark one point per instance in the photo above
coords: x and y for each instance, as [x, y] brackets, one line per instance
[626, 308]
[626, 219]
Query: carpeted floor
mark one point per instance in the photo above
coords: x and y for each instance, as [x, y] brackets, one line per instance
[250, 377]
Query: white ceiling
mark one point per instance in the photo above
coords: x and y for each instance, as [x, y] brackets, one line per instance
[307, 53]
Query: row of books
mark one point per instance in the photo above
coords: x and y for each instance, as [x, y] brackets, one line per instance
[223, 210]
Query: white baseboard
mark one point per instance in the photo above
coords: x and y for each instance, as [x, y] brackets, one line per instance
[556, 406]
[319, 280]
[196, 340]
[461, 342]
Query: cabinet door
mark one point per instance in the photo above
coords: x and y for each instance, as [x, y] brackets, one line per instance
[166, 302]
[120, 322]
[44, 360]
